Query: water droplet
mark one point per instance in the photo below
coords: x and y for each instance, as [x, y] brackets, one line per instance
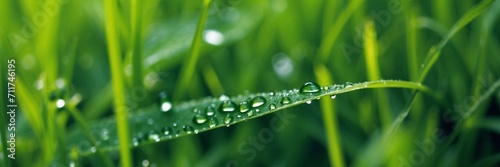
[154, 136]
[166, 105]
[167, 131]
[145, 163]
[257, 110]
[227, 106]
[250, 113]
[93, 149]
[209, 111]
[326, 87]
[244, 106]
[212, 122]
[310, 87]
[348, 84]
[200, 119]
[151, 121]
[271, 93]
[213, 37]
[333, 96]
[135, 141]
[188, 129]
[223, 97]
[282, 65]
[196, 110]
[285, 100]
[309, 102]
[258, 101]
[272, 106]
[60, 103]
[228, 119]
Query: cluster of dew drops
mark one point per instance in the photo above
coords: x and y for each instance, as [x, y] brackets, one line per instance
[231, 111]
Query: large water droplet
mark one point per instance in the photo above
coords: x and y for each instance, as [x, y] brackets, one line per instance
[244, 106]
[212, 122]
[154, 136]
[227, 106]
[310, 87]
[200, 119]
[285, 100]
[209, 111]
[258, 101]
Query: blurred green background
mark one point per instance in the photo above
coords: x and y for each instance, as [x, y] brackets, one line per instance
[61, 53]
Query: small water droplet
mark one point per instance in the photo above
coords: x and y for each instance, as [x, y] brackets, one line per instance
[135, 141]
[196, 110]
[93, 149]
[200, 119]
[227, 106]
[272, 106]
[167, 131]
[333, 96]
[154, 136]
[213, 37]
[188, 129]
[228, 119]
[271, 93]
[258, 101]
[209, 111]
[166, 105]
[349, 84]
[212, 122]
[60, 103]
[223, 97]
[244, 106]
[285, 100]
[326, 87]
[151, 121]
[175, 124]
[309, 102]
[310, 87]
[250, 113]
[257, 110]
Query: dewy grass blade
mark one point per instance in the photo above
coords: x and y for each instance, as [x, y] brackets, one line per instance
[115, 61]
[150, 124]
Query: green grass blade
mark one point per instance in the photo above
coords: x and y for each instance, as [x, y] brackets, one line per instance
[150, 124]
[493, 160]
[464, 20]
[136, 43]
[190, 61]
[434, 55]
[327, 42]
[115, 61]
[330, 120]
